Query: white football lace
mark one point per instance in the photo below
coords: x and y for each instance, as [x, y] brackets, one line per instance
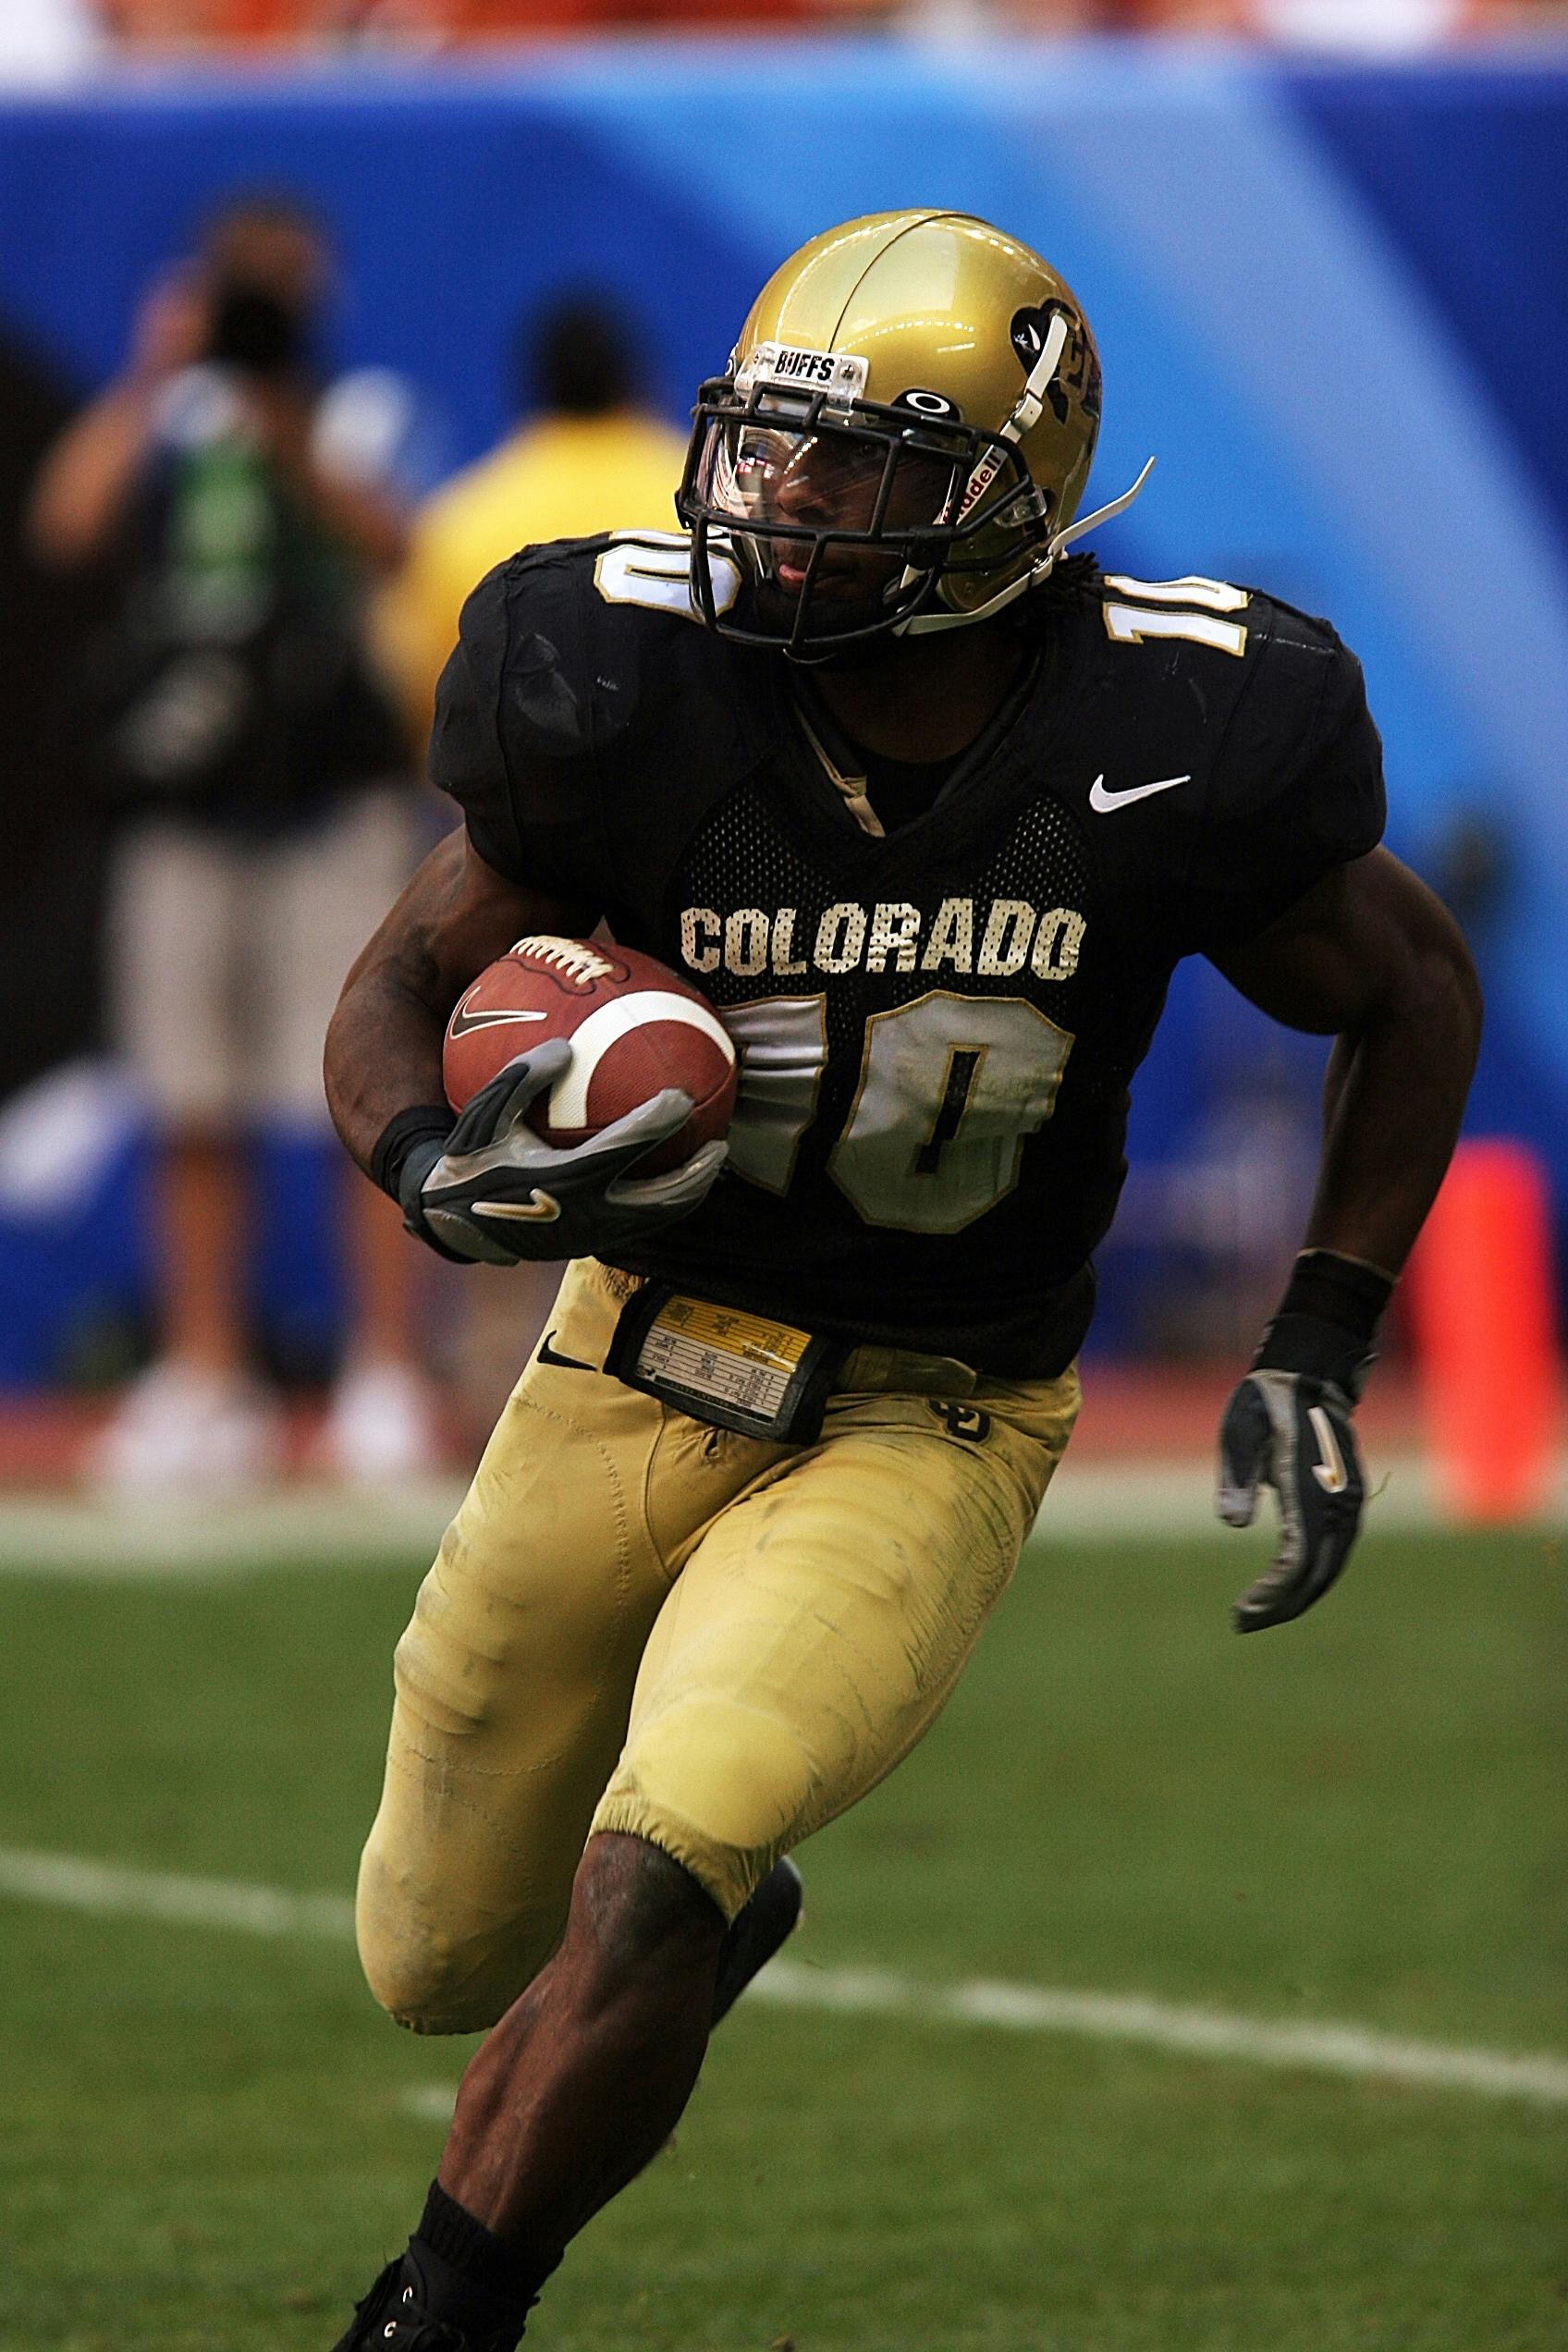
[574, 956]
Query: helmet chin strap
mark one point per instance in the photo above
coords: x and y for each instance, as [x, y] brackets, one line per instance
[1061, 540]
[925, 624]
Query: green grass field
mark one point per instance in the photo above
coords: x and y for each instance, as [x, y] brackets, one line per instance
[207, 2140]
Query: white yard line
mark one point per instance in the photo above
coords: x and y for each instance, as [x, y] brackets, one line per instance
[82, 1535]
[114, 1890]
[308, 1526]
[1164, 2025]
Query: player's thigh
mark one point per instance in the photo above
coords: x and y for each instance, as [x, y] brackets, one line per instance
[514, 1680]
[324, 890]
[513, 1684]
[821, 1622]
[176, 956]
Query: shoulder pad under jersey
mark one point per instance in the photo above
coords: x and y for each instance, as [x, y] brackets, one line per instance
[574, 660]
[1225, 754]
[596, 637]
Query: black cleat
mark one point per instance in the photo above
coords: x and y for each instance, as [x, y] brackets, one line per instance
[393, 2318]
[768, 1920]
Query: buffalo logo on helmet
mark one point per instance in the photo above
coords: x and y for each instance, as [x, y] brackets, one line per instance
[1078, 375]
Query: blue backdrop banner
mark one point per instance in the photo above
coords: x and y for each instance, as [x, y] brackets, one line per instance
[1334, 303]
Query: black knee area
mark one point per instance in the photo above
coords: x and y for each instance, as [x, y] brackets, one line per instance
[645, 1914]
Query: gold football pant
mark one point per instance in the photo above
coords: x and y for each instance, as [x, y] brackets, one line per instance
[640, 1622]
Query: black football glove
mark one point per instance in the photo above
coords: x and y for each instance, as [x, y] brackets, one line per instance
[1291, 1432]
[1288, 1426]
[495, 1191]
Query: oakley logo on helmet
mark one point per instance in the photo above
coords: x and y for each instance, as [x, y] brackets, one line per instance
[928, 404]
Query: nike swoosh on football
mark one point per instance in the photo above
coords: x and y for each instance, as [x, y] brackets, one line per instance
[547, 1354]
[463, 1023]
[1105, 801]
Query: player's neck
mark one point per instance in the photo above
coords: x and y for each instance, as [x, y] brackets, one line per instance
[925, 698]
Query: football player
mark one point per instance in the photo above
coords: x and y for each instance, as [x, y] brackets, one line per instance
[929, 808]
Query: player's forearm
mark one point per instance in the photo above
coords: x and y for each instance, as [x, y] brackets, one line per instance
[82, 487]
[384, 1042]
[383, 1052]
[1393, 1098]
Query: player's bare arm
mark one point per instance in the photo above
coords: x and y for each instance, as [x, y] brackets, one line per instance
[384, 1046]
[1373, 959]
[1370, 957]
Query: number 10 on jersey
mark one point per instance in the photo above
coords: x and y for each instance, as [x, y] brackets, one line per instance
[950, 1088]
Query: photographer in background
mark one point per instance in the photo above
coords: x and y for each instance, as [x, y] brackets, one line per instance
[244, 508]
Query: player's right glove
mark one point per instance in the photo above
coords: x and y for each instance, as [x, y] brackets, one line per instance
[1288, 1426]
[490, 1189]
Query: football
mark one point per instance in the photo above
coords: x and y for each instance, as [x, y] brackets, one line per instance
[634, 1026]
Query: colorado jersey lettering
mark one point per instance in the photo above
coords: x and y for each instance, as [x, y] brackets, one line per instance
[938, 1028]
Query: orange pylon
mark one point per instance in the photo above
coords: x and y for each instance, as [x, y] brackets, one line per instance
[1481, 1303]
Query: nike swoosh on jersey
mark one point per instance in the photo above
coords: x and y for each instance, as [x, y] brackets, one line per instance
[1104, 801]
[537, 1211]
[1330, 1468]
[463, 1023]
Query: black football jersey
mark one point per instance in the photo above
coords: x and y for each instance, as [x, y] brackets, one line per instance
[936, 1029]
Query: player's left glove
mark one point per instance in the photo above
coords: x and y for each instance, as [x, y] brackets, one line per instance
[1288, 1426]
[483, 1186]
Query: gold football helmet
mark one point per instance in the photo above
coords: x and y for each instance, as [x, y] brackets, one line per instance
[902, 440]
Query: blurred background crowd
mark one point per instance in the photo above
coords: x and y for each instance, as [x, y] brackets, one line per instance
[60, 33]
[288, 359]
